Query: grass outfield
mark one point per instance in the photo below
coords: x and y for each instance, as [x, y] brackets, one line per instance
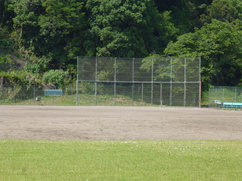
[120, 160]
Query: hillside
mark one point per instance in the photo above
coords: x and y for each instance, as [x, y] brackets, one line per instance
[40, 39]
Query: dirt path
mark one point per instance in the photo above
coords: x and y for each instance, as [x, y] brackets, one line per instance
[118, 123]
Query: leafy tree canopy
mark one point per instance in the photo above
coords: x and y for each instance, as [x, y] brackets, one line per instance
[219, 44]
[49, 34]
[223, 10]
[127, 28]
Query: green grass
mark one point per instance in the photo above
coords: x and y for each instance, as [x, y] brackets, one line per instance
[83, 100]
[120, 160]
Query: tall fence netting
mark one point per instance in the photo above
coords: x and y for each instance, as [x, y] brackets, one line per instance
[134, 81]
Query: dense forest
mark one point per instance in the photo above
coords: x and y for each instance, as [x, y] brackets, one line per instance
[40, 39]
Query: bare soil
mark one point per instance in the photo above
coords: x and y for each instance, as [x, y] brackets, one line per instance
[119, 123]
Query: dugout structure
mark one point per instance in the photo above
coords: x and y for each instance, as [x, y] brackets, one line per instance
[137, 81]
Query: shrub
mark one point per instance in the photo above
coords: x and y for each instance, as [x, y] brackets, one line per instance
[57, 77]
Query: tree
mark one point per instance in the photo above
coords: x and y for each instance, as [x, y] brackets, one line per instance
[62, 25]
[127, 28]
[26, 22]
[185, 14]
[5, 42]
[5, 63]
[6, 14]
[223, 10]
[50, 28]
[219, 44]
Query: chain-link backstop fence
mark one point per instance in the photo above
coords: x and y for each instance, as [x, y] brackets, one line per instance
[225, 97]
[134, 81]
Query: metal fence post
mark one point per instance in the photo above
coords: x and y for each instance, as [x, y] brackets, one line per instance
[115, 79]
[171, 82]
[185, 81]
[209, 97]
[223, 95]
[161, 95]
[14, 94]
[132, 81]
[235, 94]
[200, 83]
[77, 86]
[34, 91]
[96, 82]
[152, 82]
[142, 94]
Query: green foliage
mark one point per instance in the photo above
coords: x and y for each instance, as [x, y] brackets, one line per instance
[219, 44]
[6, 14]
[49, 28]
[5, 63]
[175, 69]
[127, 28]
[61, 26]
[160, 65]
[185, 14]
[223, 10]
[26, 22]
[20, 77]
[5, 42]
[40, 66]
[57, 77]
[64, 29]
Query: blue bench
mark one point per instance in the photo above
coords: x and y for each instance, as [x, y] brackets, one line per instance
[232, 105]
[53, 92]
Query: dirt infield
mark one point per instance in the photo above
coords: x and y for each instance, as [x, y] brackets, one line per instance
[119, 123]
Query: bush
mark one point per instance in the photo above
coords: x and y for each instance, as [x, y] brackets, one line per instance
[57, 77]
[39, 66]
[19, 77]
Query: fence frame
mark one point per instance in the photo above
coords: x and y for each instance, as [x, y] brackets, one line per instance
[133, 81]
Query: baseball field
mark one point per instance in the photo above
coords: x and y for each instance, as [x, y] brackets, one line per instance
[119, 143]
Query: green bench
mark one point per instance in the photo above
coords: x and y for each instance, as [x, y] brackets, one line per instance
[53, 92]
[232, 105]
